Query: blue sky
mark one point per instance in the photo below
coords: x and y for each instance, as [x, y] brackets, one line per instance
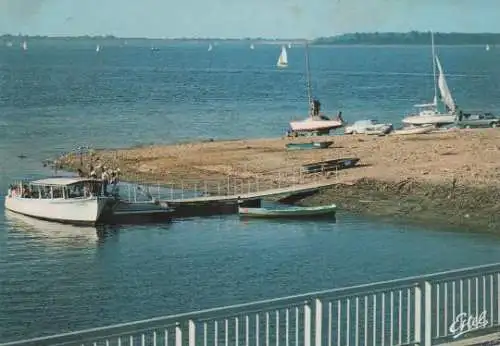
[243, 18]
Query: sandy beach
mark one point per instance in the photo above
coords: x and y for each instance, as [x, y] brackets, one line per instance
[462, 158]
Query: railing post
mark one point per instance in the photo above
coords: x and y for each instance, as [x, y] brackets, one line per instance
[178, 335]
[418, 314]
[423, 313]
[428, 313]
[318, 323]
[307, 324]
[192, 333]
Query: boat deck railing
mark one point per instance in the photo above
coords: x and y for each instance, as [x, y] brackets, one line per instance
[422, 310]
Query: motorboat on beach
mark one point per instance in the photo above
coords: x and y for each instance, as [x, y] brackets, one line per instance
[369, 127]
[72, 200]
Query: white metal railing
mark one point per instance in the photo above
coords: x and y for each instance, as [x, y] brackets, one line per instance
[422, 310]
[231, 185]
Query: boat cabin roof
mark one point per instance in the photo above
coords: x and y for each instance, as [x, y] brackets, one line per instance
[62, 181]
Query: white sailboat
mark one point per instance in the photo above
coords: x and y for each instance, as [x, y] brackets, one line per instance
[210, 47]
[429, 113]
[252, 46]
[98, 48]
[487, 47]
[283, 58]
[289, 45]
[316, 121]
[25, 45]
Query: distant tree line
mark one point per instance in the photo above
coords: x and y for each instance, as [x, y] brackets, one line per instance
[409, 38]
[373, 38]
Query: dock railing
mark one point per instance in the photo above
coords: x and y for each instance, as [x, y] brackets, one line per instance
[422, 310]
[239, 183]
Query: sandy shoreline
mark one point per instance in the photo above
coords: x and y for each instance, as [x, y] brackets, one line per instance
[463, 158]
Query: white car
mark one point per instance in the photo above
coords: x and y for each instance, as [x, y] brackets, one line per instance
[371, 126]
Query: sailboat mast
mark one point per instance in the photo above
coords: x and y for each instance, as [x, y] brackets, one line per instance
[308, 75]
[434, 66]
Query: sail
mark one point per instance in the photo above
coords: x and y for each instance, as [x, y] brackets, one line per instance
[443, 88]
[209, 47]
[283, 59]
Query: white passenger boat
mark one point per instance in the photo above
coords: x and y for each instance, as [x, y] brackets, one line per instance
[71, 200]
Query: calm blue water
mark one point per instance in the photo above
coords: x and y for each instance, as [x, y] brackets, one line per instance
[55, 97]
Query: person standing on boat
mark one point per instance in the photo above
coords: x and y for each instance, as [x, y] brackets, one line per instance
[316, 107]
[105, 181]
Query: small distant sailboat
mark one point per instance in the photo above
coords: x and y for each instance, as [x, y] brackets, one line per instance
[283, 58]
[25, 45]
[487, 47]
[98, 48]
[210, 47]
[252, 46]
[289, 45]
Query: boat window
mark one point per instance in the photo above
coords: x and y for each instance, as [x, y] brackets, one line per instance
[57, 192]
[75, 191]
[44, 191]
[35, 193]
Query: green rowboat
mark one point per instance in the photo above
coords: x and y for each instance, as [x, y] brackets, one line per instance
[288, 212]
[310, 145]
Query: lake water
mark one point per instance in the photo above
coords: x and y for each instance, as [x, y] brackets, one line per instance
[59, 95]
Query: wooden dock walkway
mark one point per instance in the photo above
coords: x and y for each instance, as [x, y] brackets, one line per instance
[290, 190]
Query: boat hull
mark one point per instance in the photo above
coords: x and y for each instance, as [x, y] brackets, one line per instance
[85, 211]
[306, 146]
[315, 125]
[136, 212]
[444, 119]
[288, 212]
[379, 130]
[415, 130]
